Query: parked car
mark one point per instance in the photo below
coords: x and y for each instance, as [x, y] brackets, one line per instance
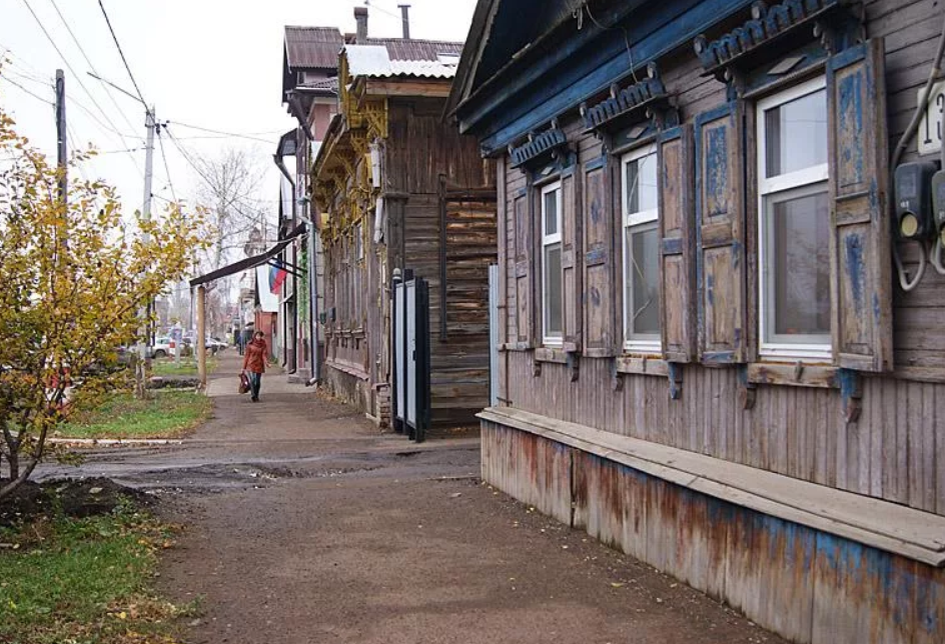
[163, 346]
[216, 344]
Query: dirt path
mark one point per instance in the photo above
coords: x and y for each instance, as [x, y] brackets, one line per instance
[307, 526]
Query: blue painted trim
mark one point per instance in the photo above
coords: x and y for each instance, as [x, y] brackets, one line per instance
[594, 164]
[670, 134]
[847, 57]
[714, 114]
[773, 21]
[529, 102]
[536, 148]
[672, 246]
[624, 102]
[718, 357]
[850, 384]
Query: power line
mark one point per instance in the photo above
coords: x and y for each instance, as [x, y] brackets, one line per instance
[180, 148]
[122, 54]
[87, 60]
[102, 152]
[74, 145]
[105, 128]
[166, 169]
[8, 50]
[367, 3]
[36, 96]
[230, 134]
[45, 82]
[78, 78]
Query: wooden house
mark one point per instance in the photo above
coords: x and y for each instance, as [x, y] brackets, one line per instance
[397, 188]
[309, 93]
[706, 357]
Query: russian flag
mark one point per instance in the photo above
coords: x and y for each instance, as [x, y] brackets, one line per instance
[277, 276]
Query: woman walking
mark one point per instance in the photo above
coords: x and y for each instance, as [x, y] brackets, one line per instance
[254, 363]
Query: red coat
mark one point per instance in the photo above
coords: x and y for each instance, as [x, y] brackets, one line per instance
[255, 356]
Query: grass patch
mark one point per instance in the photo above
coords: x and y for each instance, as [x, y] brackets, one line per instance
[187, 366]
[84, 581]
[167, 414]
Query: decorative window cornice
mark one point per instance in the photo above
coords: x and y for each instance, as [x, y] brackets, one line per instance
[766, 24]
[625, 102]
[538, 146]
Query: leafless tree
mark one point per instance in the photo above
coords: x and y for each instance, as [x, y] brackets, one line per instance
[231, 190]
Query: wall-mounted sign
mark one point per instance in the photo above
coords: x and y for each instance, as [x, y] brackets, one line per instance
[930, 128]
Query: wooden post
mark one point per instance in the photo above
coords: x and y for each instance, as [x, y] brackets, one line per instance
[201, 339]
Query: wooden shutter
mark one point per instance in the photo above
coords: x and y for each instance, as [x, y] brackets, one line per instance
[600, 338]
[677, 269]
[570, 258]
[720, 213]
[861, 277]
[524, 273]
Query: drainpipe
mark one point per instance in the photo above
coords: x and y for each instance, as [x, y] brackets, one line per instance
[312, 274]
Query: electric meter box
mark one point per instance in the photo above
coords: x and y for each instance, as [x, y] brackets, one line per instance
[938, 203]
[913, 193]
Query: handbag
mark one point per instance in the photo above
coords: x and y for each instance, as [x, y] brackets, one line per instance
[244, 383]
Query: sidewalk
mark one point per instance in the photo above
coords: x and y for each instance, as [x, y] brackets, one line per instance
[328, 531]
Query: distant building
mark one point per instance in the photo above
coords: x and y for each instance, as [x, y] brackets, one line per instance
[310, 94]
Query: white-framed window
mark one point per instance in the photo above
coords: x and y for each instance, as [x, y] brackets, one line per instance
[552, 310]
[641, 250]
[794, 223]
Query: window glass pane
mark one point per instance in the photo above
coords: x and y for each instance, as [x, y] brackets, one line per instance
[551, 212]
[798, 256]
[643, 281]
[553, 324]
[641, 184]
[796, 134]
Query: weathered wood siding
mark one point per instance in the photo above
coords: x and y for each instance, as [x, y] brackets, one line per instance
[445, 227]
[890, 452]
[421, 147]
[911, 30]
[806, 585]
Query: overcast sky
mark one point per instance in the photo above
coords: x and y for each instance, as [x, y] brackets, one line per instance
[210, 63]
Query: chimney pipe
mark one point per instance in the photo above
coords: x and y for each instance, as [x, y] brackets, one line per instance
[405, 12]
[360, 15]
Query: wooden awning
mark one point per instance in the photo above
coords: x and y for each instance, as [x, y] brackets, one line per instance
[249, 262]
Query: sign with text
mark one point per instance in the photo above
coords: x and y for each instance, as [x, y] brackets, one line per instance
[930, 128]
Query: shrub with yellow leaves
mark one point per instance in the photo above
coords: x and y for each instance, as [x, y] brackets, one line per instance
[74, 273]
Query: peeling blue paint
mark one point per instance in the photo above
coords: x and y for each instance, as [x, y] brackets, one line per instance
[716, 171]
[594, 293]
[853, 258]
[710, 289]
[596, 210]
[850, 124]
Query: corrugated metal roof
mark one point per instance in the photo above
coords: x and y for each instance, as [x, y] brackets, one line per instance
[313, 47]
[376, 61]
[413, 49]
[327, 85]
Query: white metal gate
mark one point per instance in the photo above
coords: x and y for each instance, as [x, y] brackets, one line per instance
[410, 333]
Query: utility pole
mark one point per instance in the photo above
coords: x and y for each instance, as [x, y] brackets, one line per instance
[144, 357]
[61, 138]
